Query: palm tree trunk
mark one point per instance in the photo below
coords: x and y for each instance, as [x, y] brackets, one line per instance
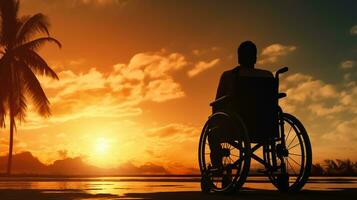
[11, 142]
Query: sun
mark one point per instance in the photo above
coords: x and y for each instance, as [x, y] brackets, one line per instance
[101, 146]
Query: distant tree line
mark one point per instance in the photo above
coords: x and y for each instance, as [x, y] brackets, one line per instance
[335, 168]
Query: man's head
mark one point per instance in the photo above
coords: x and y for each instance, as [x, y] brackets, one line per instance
[247, 54]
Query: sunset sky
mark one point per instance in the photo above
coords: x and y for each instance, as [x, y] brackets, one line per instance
[136, 77]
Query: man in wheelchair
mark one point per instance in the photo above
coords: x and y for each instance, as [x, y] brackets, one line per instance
[247, 57]
[246, 111]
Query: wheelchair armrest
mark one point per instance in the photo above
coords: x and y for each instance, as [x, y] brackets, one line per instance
[220, 101]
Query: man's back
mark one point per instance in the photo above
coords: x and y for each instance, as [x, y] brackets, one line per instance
[254, 97]
[227, 84]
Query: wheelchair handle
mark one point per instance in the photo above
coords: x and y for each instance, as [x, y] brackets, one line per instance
[280, 71]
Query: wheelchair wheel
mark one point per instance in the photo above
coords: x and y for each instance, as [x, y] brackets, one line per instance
[235, 153]
[291, 164]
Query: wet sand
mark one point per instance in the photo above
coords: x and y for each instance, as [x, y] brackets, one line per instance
[171, 188]
[245, 194]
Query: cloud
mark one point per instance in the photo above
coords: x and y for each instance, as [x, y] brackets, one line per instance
[202, 66]
[348, 64]
[119, 92]
[163, 90]
[200, 52]
[146, 77]
[353, 30]
[170, 130]
[328, 112]
[271, 53]
[318, 98]
[19, 145]
[100, 2]
[344, 131]
[322, 110]
[301, 88]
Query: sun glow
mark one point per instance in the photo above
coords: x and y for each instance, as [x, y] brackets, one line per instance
[101, 146]
[102, 151]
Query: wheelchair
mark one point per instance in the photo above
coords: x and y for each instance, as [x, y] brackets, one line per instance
[253, 122]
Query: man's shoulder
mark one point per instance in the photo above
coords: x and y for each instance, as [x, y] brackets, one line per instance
[228, 73]
[255, 72]
[263, 72]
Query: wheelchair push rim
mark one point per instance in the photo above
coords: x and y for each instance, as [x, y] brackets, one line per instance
[295, 165]
[235, 160]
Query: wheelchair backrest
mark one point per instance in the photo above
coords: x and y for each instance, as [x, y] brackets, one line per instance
[256, 101]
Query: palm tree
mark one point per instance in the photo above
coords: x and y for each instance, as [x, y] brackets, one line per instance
[19, 63]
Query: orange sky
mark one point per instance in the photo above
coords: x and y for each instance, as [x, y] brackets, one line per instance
[136, 78]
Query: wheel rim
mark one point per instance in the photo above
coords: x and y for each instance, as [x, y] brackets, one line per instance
[235, 160]
[298, 161]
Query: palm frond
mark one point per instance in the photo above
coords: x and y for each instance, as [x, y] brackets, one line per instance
[37, 64]
[37, 43]
[37, 23]
[34, 90]
[5, 81]
[21, 107]
[17, 98]
[20, 62]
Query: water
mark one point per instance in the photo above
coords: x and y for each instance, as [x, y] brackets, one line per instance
[123, 185]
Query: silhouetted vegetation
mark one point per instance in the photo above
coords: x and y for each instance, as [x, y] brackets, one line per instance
[20, 40]
[335, 168]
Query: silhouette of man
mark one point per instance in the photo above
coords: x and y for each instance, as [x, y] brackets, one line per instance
[247, 57]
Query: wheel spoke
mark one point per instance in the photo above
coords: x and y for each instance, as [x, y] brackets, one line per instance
[288, 134]
[295, 161]
[295, 154]
[288, 163]
[292, 141]
[295, 145]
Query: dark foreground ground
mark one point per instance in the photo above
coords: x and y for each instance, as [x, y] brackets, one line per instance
[245, 194]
